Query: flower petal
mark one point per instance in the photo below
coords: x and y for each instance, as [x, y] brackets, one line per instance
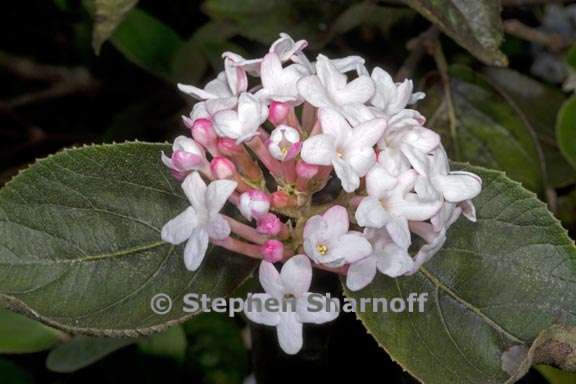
[319, 150]
[394, 261]
[227, 124]
[195, 190]
[335, 125]
[305, 315]
[360, 159]
[458, 186]
[361, 273]
[196, 249]
[258, 313]
[350, 247]
[348, 177]
[270, 280]
[180, 228]
[296, 275]
[367, 134]
[337, 221]
[289, 332]
[371, 213]
[218, 227]
[358, 91]
[398, 230]
[312, 90]
[218, 193]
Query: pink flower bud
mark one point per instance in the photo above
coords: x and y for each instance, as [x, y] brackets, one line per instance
[305, 170]
[228, 146]
[278, 112]
[272, 251]
[222, 168]
[254, 204]
[182, 160]
[269, 225]
[203, 132]
[180, 176]
[280, 199]
[284, 143]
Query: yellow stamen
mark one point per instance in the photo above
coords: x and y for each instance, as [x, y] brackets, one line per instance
[322, 249]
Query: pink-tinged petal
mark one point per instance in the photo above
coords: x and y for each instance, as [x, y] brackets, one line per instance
[360, 160]
[350, 247]
[394, 261]
[196, 92]
[379, 182]
[235, 76]
[418, 159]
[385, 88]
[167, 161]
[271, 69]
[312, 90]
[304, 315]
[257, 312]
[361, 273]
[218, 193]
[289, 332]
[335, 125]
[251, 112]
[371, 213]
[218, 227]
[359, 113]
[427, 251]
[403, 95]
[368, 133]
[458, 186]
[338, 222]
[195, 190]
[348, 177]
[468, 210]
[358, 91]
[270, 280]
[272, 251]
[319, 150]
[296, 275]
[180, 228]
[348, 63]
[214, 106]
[314, 224]
[399, 232]
[196, 249]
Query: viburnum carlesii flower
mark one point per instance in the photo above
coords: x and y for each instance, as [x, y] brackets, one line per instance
[327, 239]
[202, 220]
[329, 87]
[290, 286]
[187, 156]
[280, 84]
[455, 186]
[386, 257]
[254, 204]
[349, 150]
[284, 143]
[391, 97]
[392, 202]
[241, 123]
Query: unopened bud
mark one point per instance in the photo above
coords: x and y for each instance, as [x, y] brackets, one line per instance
[269, 225]
[278, 112]
[254, 204]
[272, 251]
[222, 168]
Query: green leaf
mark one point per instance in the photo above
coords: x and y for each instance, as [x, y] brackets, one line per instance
[571, 56]
[555, 375]
[566, 130]
[148, 43]
[171, 344]
[13, 374]
[495, 284]
[80, 245]
[107, 15]
[23, 335]
[475, 25]
[540, 104]
[491, 132]
[83, 351]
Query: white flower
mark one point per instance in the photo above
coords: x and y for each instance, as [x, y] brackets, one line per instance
[330, 88]
[386, 257]
[392, 97]
[241, 124]
[327, 240]
[254, 204]
[202, 220]
[291, 284]
[187, 155]
[349, 150]
[455, 186]
[278, 83]
[229, 84]
[284, 143]
[393, 207]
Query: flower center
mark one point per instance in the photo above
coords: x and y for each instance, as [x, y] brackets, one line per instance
[322, 249]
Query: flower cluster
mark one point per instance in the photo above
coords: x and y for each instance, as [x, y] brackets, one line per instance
[268, 134]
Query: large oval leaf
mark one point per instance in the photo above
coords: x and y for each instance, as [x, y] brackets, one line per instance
[23, 335]
[495, 284]
[490, 131]
[80, 245]
[475, 25]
